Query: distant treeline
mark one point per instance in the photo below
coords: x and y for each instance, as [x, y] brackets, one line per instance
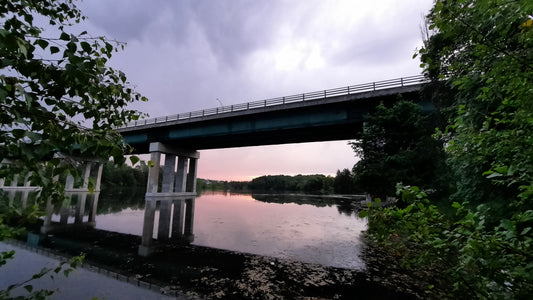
[119, 176]
[342, 183]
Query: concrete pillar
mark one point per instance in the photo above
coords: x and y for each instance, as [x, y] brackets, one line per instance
[189, 219]
[178, 218]
[80, 207]
[165, 211]
[64, 211]
[13, 193]
[69, 183]
[153, 173]
[93, 208]
[169, 173]
[86, 176]
[26, 192]
[98, 177]
[146, 248]
[48, 216]
[15, 180]
[181, 174]
[165, 206]
[191, 177]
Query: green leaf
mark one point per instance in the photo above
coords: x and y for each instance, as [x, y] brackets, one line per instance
[42, 43]
[86, 47]
[54, 49]
[64, 36]
[134, 159]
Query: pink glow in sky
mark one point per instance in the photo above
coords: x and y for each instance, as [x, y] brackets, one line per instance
[243, 164]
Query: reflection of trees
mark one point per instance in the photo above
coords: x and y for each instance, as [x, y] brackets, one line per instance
[113, 200]
[345, 205]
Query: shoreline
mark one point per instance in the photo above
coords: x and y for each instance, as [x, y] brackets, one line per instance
[207, 273]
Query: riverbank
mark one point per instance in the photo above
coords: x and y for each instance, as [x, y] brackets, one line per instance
[201, 272]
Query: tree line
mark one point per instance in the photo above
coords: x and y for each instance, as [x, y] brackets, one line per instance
[343, 183]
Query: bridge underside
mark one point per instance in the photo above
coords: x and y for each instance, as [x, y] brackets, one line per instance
[313, 121]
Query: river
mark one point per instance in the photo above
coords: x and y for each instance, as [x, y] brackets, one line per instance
[322, 230]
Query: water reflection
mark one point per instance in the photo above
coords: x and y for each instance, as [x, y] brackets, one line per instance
[313, 229]
[306, 228]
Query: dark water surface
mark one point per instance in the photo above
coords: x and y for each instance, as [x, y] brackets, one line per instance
[309, 229]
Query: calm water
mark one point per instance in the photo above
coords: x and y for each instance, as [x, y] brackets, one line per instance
[276, 226]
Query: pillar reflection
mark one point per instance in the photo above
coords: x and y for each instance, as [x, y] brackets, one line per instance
[77, 209]
[173, 196]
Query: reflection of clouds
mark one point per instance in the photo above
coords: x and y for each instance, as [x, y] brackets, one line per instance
[300, 232]
[238, 222]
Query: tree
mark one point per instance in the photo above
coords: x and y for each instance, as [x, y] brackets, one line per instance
[344, 182]
[479, 52]
[57, 95]
[56, 92]
[396, 146]
[483, 50]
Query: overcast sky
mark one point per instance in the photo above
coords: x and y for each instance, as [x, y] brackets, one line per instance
[184, 55]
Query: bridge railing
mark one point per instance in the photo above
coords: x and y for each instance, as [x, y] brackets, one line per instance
[348, 90]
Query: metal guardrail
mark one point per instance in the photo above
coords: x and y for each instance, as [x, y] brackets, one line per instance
[353, 89]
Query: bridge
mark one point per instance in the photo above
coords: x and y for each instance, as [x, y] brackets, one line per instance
[334, 114]
[173, 143]
[327, 115]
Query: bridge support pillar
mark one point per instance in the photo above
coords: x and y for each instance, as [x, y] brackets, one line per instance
[77, 195]
[175, 197]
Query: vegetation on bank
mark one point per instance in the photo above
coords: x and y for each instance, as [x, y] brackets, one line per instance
[126, 176]
[477, 242]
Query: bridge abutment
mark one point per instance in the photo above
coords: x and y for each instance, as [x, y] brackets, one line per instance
[174, 196]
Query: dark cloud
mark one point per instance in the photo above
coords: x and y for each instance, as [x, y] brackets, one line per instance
[129, 20]
[234, 28]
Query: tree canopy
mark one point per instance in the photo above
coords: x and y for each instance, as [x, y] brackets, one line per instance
[396, 146]
[483, 51]
[57, 93]
[478, 54]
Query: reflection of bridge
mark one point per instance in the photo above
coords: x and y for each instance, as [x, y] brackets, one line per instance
[335, 114]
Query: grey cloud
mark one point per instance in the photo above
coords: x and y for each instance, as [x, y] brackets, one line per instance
[129, 20]
[235, 28]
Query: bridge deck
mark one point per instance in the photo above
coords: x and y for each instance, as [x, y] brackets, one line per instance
[334, 114]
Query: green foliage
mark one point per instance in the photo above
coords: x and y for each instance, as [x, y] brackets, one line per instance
[124, 175]
[475, 259]
[481, 53]
[483, 50]
[397, 146]
[57, 98]
[56, 92]
[344, 182]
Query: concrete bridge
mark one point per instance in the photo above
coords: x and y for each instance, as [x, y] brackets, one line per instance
[173, 142]
[334, 114]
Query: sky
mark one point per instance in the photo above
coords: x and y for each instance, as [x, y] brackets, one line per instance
[192, 55]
